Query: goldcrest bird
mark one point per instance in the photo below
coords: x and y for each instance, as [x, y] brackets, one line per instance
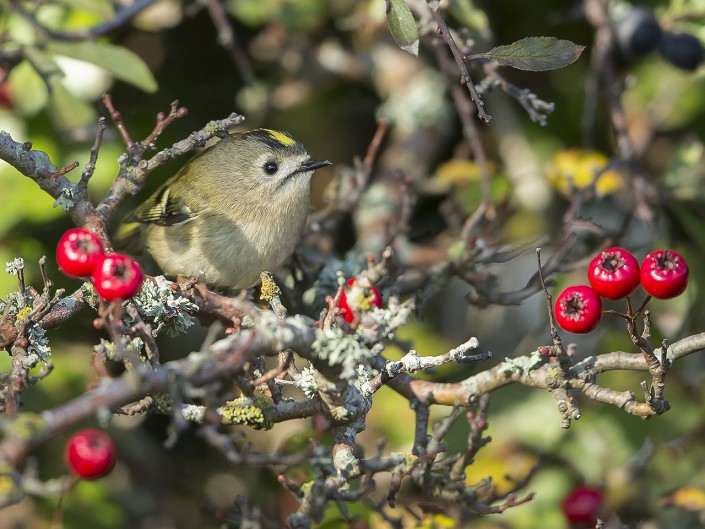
[235, 209]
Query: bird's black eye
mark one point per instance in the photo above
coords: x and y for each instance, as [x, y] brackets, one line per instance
[271, 167]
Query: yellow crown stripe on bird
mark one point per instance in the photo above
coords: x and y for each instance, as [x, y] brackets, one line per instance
[275, 138]
[282, 138]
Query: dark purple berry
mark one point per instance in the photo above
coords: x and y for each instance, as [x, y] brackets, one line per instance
[637, 33]
[682, 50]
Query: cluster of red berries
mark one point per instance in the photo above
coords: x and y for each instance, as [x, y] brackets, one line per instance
[615, 274]
[356, 299]
[114, 276]
[90, 454]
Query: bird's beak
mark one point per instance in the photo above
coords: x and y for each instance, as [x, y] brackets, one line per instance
[312, 165]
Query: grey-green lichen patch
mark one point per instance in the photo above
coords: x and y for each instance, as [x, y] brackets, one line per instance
[24, 426]
[523, 364]
[307, 382]
[193, 413]
[346, 464]
[67, 197]
[128, 349]
[15, 266]
[340, 349]
[247, 322]
[396, 315]
[38, 343]
[248, 411]
[165, 306]
[163, 402]
[281, 336]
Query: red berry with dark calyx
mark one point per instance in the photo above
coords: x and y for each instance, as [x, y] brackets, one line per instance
[664, 274]
[117, 276]
[578, 309]
[614, 274]
[78, 252]
[582, 506]
[356, 299]
[90, 454]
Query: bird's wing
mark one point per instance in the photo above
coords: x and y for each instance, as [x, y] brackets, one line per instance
[164, 208]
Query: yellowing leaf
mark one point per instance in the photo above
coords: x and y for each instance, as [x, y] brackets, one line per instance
[438, 521]
[458, 171]
[578, 169]
[455, 173]
[101, 8]
[688, 498]
[506, 467]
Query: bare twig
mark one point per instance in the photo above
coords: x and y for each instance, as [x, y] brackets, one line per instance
[460, 59]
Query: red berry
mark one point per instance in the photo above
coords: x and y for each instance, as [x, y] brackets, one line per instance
[357, 299]
[664, 274]
[582, 505]
[5, 98]
[578, 309]
[78, 251]
[91, 453]
[614, 273]
[117, 276]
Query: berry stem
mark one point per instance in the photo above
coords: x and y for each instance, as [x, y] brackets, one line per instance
[563, 359]
[642, 306]
[549, 300]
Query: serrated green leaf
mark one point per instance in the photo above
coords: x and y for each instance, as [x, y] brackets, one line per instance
[403, 26]
[536, 54]
[120, 62]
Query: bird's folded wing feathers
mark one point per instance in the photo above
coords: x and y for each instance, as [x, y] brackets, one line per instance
[164, 208]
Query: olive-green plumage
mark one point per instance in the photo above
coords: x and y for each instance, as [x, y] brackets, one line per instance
[237, 208]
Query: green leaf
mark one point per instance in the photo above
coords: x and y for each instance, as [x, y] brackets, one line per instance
[68, 111]
[33, 94]
[403, 26]
[103, 8]
[470, 15]
[120, 62]
[45, 65]
[255, 13]
[536, 54]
